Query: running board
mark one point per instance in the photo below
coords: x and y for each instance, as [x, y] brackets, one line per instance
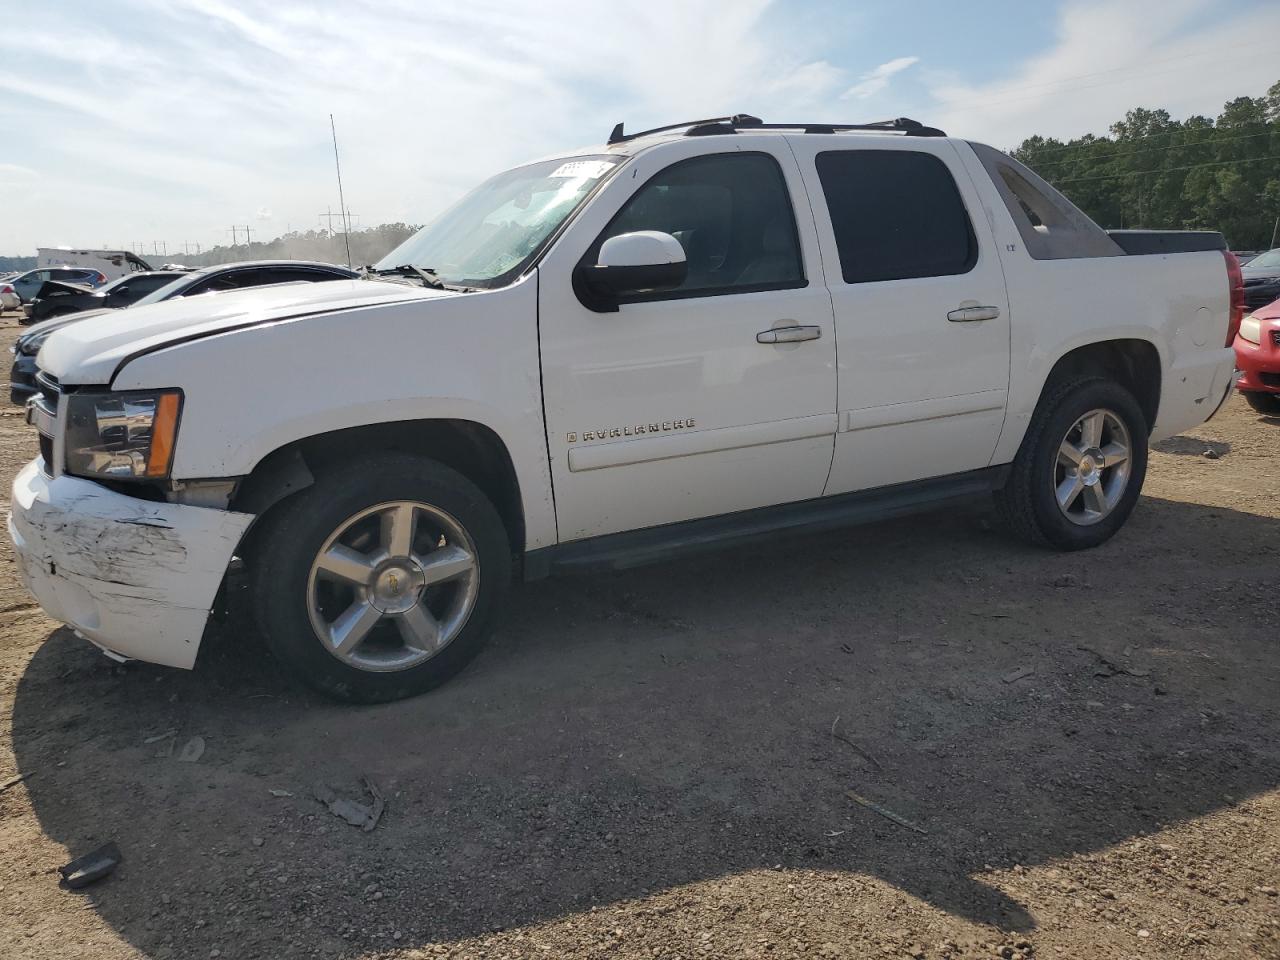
[635, 548]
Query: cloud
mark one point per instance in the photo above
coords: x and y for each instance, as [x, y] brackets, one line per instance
[872, 83]
[202, 112]
[1108, 57]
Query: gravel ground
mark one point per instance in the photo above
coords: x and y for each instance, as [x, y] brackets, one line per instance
[1055, 755]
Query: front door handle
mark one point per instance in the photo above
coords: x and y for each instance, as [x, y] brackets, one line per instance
[969, 312]
[789, 334]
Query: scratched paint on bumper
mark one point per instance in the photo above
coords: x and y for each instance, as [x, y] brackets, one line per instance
[135, 577]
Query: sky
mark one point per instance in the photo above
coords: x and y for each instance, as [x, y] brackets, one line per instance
[146, 121]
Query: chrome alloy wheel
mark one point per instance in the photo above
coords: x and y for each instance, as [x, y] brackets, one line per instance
[1092, 470]
[392, 586]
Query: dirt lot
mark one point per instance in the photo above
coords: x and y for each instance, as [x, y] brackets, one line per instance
[657, 764]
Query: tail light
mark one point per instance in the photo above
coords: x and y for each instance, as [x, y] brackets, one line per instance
[1235, 293]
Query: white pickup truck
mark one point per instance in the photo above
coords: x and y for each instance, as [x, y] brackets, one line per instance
[695, 335]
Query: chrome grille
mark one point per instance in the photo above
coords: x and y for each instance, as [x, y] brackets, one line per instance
[42, 413]
[1275, 337]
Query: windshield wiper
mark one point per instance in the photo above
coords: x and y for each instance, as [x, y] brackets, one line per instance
[428, 277]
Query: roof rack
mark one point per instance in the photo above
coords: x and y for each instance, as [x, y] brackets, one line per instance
[744, 121]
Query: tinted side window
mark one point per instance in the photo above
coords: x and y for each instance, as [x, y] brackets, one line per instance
[896, 214]
[733, 216]
[235, 280]
[293, 275]
[139, 286]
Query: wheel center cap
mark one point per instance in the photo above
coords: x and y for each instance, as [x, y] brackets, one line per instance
[1091, 467]
[397, 586]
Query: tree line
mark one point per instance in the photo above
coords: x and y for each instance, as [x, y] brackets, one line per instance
[1155, 172]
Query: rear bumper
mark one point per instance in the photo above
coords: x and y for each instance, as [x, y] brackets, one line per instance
[1194, 391]
[1259, 363]
[136, 578]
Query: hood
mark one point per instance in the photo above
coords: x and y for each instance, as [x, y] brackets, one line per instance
[50, 286]
[1250, 272]
[40, 332]
[1268, 313]
[90, 353]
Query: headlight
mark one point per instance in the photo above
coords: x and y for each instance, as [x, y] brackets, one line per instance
[122, 436]
[30, 344]
[1251, 329]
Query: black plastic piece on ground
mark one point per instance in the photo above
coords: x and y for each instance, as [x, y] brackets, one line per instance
[83, 871]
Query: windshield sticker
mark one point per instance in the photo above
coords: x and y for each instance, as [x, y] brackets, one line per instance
[590, 169]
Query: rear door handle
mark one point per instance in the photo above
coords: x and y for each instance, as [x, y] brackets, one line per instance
[969, 313]
[789, 334]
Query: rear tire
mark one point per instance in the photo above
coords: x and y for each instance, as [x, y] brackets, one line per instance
[1079, 471]
[364, 611]
[1267, 404]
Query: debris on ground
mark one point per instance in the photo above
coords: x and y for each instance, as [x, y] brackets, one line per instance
[884, 812]
[192, 750]
[362, 815]
[280, 793]
[156, 738]
[95, 865]
[835, 732]
[13, 781]
[1109, 668]
[1015, 675]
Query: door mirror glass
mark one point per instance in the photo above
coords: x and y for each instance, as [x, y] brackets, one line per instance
[641, 262]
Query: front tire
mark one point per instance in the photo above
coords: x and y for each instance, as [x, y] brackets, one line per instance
[1080, 469]
[380, 580]
[1267, 404]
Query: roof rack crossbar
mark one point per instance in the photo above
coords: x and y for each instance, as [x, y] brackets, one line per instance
[619, 137]
[741, 121]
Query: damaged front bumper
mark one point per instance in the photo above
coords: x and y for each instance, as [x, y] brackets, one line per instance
[136, 578]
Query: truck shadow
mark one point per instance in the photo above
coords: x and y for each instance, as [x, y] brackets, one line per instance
[631, 732]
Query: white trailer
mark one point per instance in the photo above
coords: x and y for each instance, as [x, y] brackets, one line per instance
[112, 263]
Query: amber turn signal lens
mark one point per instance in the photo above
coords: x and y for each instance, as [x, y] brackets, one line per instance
[164, 430]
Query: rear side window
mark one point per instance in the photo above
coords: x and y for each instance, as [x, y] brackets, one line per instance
[233, 280]
[732, 214]
[897, 214]
[141, 285]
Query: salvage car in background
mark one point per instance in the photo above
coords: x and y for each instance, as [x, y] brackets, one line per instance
[1258, 359]
[9, 299]
[57, 299]
[1261, 279]
[230, 276]
[28, 284]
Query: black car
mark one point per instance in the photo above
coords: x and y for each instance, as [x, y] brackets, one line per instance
[57, 298]
[1262, 279]
[230, 276]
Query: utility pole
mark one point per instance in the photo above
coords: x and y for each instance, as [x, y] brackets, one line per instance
[1274, 231]
[328, 216]
[233, 234]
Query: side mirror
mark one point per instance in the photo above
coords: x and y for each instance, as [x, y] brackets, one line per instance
[646, 261]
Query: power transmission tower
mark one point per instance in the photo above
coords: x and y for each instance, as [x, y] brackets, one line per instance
[328, 216]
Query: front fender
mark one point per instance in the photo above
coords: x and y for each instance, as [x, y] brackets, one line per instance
[255, 390]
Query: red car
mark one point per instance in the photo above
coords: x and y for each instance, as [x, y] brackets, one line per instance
[1258, 357]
